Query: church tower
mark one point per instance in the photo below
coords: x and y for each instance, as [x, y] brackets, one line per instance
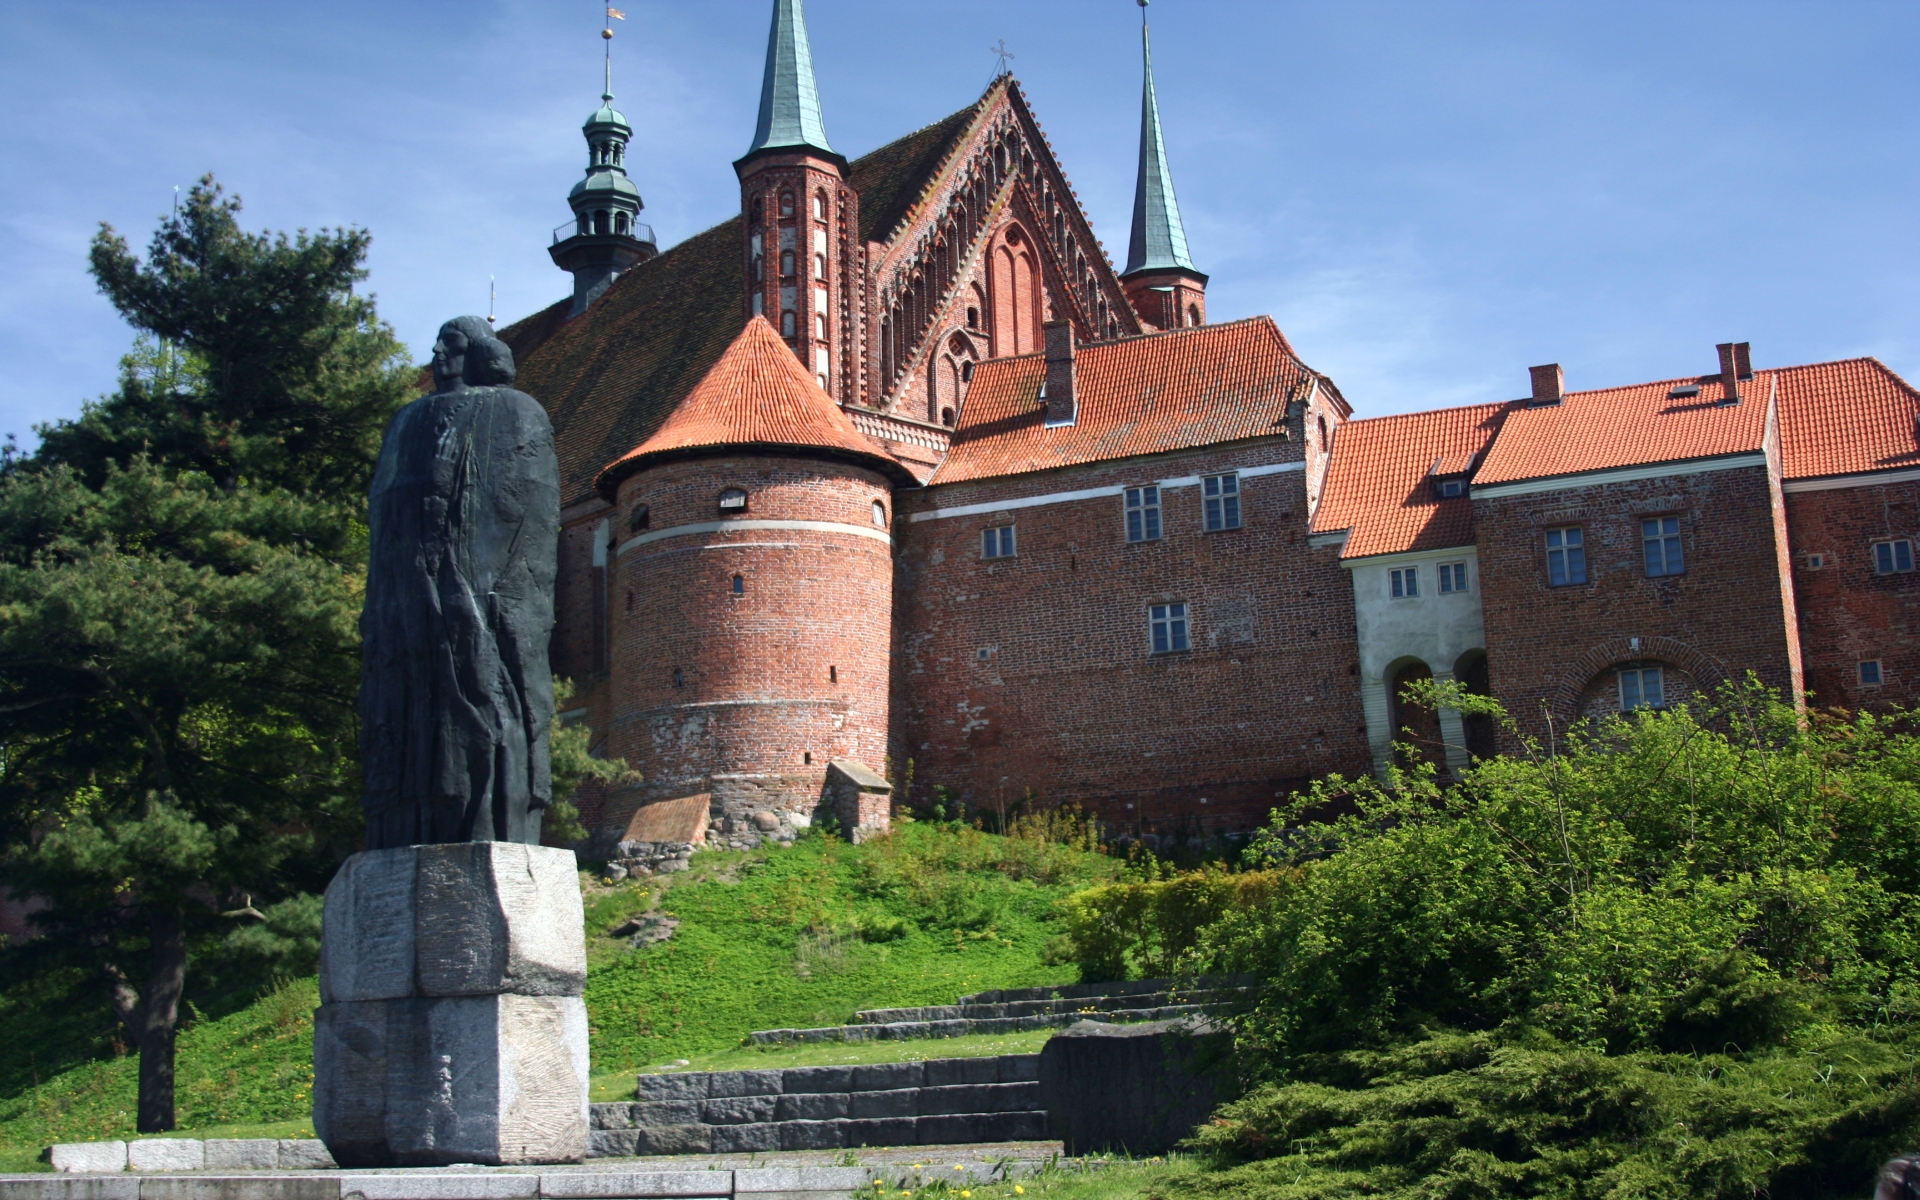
[804, 268]
[606, 236]
[1162, 283]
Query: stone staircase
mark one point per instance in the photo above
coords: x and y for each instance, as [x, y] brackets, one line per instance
[942, 1101]
[1016, 1009]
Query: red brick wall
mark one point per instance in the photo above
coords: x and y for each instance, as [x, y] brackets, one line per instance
[1724, 615]
[794, 666]
[1847, 612]
[1068, 701]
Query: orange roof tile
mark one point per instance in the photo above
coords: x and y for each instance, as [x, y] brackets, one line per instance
[1846, 418]
[1137, 395]
[1379, 485]
[758, 396]
[1627, 426]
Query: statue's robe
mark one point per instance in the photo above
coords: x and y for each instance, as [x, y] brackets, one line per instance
[456, 698]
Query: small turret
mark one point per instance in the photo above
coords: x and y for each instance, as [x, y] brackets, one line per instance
[605, 236]
[1161, 281]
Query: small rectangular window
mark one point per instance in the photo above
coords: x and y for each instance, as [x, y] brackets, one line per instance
[1168, 624]
[1143, 514]
[1660, 543]
[1641, 687]
[1870, 673]
[1447, 489]
[1222, 494]
[1404, 582]
[1891, 558]
[1566, 556]
[1453, 577]
[997, 542]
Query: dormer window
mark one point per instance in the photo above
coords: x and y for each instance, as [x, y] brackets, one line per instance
[1447, 489]
[733, 500]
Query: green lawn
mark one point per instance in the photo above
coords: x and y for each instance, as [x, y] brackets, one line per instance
[793, 937]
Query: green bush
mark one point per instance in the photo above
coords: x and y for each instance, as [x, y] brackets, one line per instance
[1667, 954]
[1150, 928]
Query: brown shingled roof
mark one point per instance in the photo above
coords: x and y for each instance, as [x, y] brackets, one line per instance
[1380, 485]
[758, 396]
[610, 378]
[1138, 395]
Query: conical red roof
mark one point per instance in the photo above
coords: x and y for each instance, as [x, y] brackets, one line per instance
[758, 396]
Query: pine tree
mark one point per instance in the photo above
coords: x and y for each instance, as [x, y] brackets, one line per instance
[181, 570]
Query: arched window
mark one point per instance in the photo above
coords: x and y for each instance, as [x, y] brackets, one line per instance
[820, 206]
[820, 326]
[973, 317]
[739, 585]
[786, 264]
[600, 220]
[640, 519]
[1193, 314]
[733, 500]
[946, 417]
[787, 326]
[786, 204]
[966, 371]
[620, 223]
[819, 266]
[879, 514]
[1323, 432]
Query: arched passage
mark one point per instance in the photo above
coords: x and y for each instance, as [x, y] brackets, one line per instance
[1470, 671]
[1414, 724]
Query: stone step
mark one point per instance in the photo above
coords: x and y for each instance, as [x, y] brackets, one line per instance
[965, 1027]
[1028, 1008]
[1078, 991]
[937, 1102]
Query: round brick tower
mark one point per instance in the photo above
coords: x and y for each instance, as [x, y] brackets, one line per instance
[752, 594]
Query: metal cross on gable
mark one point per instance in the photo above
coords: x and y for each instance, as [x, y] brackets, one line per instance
[999, 50]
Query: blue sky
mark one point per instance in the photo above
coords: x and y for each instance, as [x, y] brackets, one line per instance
[1428, 196]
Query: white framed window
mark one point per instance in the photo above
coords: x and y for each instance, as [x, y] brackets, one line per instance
[733, 500]
[1891, 558]
[1404, 582]
[1660, 545]
[1453, 578]
[879, 514]
[1447, 489]
[1870, 674]
[1167, 627]
[1566, 556]
[1222, 501]
[1642, 687]
[997, 542]
[1143, 513]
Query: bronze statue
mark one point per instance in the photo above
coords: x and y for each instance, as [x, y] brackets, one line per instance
[456, 697]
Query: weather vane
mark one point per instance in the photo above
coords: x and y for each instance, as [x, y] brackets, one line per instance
[1000, 51]
[606, 35]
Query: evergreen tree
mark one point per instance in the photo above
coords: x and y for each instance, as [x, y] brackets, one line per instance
[181, 571]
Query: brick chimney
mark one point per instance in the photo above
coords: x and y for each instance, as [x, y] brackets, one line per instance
[1549, 384]
[1736, 363]
[1062, 407]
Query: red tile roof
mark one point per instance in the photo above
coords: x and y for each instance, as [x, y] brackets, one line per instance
[1380, 484]
[1627, 426]
[758, 397]
[1137, 395]
[1846, 418]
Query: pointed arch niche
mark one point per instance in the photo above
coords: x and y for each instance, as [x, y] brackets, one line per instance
[1013, 292]
[951, 370]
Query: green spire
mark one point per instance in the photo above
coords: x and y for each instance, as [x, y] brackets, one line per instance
[789, 102]
[1159, 241]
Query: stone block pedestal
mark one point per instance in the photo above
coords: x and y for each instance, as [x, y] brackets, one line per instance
[451, 1028]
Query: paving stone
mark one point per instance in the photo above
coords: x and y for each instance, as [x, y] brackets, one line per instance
[745, 1139]
[673, 1087]
[305, 1154]
[611, 1143]
[242, 1154]
[89, 1157]
[657, 1114]
[797, 1080]
[965, 1098]
[737, 1110]
[167, 1154]
[812, 1135]
[811, 1106]
[884, 1131]
[900, 1102]
[880, 1077]
[743, 1083]
[946, 1072]
[691, 1138]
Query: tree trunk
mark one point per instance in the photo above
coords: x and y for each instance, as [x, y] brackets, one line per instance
[160, 1018]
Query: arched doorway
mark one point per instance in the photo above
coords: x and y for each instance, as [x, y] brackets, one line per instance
[1480, 735]
[1414, 724]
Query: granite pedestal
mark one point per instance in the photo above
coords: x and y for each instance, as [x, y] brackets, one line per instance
[451, 1027]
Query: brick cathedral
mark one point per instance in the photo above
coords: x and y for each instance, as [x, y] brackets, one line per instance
[895, 465]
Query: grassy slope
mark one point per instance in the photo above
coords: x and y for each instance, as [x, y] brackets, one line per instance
[766, 940]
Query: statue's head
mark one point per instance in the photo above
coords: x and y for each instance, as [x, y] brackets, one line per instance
[467, 354]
